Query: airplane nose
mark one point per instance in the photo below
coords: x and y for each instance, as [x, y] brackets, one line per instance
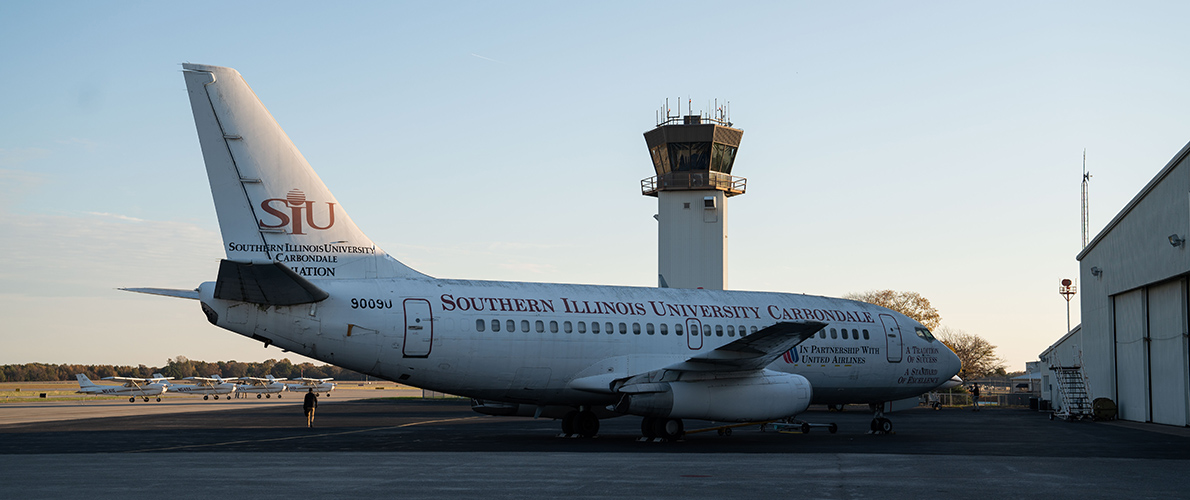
[954, 364]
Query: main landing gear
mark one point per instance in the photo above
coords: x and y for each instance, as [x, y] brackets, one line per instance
[667, 429]
[132, 399]
[880, 424]
[205, 397]
[580, 423]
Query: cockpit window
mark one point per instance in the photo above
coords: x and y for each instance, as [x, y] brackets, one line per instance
[925, 334]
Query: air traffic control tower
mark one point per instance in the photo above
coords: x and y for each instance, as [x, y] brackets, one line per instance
[692, 157]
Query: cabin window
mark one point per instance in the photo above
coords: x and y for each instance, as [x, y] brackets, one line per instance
[752, 330]
[855, 334]
[834, 333]
[495, 325]
[865, 335]
[623, 329]
[567, 327]
[479, 325]
[649, 328]
[636, 328]
[539, 326]
[822, 333]
[582, 327]
[511, 326]
[718, 330]
[594, 327]
[608, 328]
[730, 330]
[678, 329]
[706, 330]
[525, 325]
[844, 334]
[664, 329]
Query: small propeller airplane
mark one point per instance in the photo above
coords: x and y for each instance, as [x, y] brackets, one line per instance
[320, 385]
[207, 386]
[261, 386]
[133, 387]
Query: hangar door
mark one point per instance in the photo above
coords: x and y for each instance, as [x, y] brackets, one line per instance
[1167, 353]
[1132, 370]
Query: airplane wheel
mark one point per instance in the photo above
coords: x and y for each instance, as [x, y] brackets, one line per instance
[278, 396]
[133, 400]
[833, 428]
[648, 427]
[805, 428]
[204, 398]
[567, 422]
[726, 431]
[158, 400]
[146, 399]
[586, 424]
[258, 396]
[885, 425]
[669, 428]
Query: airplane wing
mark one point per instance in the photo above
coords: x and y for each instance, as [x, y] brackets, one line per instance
[753, 352]
[128, 381]
[740, 358]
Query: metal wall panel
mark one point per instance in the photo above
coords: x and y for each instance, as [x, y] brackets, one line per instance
[1167, 353]
[1131, 356]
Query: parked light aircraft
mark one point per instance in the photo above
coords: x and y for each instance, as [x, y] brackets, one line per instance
[209, 387]
[261, 386]
[133, 387]
[320, 385]
[300, 275]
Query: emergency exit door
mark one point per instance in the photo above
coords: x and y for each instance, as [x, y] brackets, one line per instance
[419, 328]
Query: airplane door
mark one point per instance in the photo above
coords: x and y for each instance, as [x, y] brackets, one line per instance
[419, 328]
[892, 335]
[694, 334]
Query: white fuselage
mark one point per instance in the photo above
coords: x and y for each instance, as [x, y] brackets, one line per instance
[223, 388]
[124, 390]
[270, 388]
[526, 342]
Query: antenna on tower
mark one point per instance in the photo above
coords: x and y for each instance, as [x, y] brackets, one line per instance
[1086, 182]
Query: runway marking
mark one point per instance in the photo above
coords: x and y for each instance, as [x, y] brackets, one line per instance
[344, 433]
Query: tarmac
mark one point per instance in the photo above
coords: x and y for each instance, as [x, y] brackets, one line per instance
[427, 448]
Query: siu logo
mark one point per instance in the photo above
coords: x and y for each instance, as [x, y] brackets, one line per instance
[296, 203]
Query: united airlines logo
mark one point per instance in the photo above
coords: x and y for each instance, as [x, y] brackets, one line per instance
[293, 210]
[790, 356]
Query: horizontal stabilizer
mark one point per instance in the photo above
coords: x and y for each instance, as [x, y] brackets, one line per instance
[272, 284]
[168, 292]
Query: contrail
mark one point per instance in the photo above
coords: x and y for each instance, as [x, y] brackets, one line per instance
[486, 58]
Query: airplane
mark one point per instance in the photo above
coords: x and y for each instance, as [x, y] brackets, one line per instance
[207, 386]
[133, 387]
[262, 386]
[320, 385]
[300, 275]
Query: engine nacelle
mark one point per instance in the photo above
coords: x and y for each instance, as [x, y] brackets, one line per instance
[770, 396]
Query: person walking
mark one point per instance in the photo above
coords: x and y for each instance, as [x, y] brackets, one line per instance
[974, 397]
[309, 405]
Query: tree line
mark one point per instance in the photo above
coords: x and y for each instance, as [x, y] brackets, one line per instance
[179, 367]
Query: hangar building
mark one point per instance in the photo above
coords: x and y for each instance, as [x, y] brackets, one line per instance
[1132, 345]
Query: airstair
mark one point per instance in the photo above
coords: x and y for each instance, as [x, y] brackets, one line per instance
[1072, 385]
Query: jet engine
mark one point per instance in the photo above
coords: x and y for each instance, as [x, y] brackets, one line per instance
[768, 396]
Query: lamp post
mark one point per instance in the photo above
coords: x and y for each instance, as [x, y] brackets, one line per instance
[1067, 289]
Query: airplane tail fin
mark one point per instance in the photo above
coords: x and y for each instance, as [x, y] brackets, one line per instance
[272, 206]
[84, 381]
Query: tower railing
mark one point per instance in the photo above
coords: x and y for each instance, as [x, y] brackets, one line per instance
[689, 181]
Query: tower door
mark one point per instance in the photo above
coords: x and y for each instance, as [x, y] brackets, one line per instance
[892, 335]
[419, 328]
[694, 334]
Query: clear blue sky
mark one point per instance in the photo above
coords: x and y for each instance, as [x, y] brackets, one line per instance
[925, 146]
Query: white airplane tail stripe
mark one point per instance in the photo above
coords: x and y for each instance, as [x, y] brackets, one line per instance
[272, 207]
